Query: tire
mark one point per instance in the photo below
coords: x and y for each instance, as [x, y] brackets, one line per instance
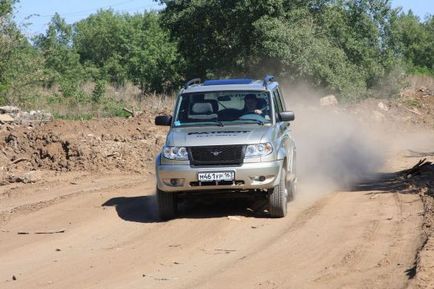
[166, 205]
[278, 198]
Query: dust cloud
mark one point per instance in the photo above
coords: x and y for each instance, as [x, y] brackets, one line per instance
[335, 150]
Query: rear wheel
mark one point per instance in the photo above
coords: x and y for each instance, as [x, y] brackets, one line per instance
[278, 198]
[166, 205]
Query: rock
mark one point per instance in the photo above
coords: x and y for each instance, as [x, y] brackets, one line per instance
[30, 177]
[383, 107]
[234, 218]
[9, 109]
[423, 89]
[28, 117]
[328, 100]
[23, 117]
[26, 178]
[6, 118]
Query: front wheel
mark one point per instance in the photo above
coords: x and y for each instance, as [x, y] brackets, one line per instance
[166, 205]
[278, 198]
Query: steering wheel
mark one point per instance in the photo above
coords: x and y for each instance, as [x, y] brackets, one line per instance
[253, 116]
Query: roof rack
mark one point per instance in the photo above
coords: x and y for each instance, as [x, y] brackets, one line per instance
[268, 79]
[191, 82]
[228, 81]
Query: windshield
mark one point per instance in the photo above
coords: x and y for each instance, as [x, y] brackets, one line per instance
[223, 108]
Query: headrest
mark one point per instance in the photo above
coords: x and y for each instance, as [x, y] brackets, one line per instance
[202, 108]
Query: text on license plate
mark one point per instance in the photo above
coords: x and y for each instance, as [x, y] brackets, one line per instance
[216, 176]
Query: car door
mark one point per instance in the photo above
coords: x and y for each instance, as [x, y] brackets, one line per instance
[285, 129]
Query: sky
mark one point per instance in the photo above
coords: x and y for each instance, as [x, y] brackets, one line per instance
[34, 15]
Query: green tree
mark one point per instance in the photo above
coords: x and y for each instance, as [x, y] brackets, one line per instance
[414, 41]
[7, 43]
[337, 44]
[20, 65]
[61, 60]
[360, 28]
[125, 47]
[102, 41]
[6, 8]
[153, 61]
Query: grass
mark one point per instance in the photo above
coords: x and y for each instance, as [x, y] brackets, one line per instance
[422, 71]
[84, 104]
[418, 81]
[414, 103]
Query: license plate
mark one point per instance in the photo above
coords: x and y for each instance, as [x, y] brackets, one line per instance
[215, 176]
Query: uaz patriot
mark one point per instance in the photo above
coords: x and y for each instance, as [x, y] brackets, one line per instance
[227, 136]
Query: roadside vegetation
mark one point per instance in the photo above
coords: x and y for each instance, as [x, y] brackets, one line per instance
[97, 66]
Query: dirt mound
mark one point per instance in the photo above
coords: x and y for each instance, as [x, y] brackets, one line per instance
[422, 182]
[406, 112]
[102, 144]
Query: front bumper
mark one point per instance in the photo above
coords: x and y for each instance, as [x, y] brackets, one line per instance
[248, 176]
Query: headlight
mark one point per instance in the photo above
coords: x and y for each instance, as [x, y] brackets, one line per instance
[175, 153]
[259, 150]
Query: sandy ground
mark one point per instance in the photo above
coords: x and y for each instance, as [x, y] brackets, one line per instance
[79, 230]
[62, 226]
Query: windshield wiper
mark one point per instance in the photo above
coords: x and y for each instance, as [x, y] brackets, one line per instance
[208, 123]
[259, 122]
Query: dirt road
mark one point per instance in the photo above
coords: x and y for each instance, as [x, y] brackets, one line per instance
[79, 230]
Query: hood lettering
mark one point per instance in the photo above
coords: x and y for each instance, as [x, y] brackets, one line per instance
[218, 133]
[225, 133]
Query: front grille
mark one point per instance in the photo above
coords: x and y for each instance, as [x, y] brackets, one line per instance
[217, 155]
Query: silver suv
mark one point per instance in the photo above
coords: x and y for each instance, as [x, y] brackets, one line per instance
[227, 136]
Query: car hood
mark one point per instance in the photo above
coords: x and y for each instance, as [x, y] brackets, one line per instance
[208, 136]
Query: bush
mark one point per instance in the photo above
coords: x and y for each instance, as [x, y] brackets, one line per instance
[98, 91]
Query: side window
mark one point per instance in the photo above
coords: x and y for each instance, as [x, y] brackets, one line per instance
[277, 104]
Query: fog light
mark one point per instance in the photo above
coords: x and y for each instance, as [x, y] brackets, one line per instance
[258, 178]
[262, 180]
[174, 182]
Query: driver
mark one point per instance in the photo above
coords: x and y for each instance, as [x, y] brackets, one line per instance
[251, 104]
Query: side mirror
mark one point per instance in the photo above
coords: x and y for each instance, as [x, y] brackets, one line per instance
[163, 120]
[287, 116]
